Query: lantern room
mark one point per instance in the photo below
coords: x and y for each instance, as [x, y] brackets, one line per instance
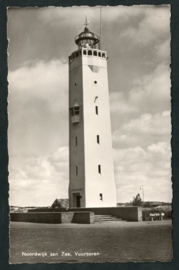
[87, 39]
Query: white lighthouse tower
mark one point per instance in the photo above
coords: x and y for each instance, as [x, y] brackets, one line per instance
[91, 164]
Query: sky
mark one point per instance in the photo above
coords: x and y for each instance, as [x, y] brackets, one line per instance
[137, 40]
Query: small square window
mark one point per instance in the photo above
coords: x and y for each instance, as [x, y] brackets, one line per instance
[75, 110]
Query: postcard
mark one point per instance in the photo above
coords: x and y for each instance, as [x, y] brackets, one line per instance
[89, 134]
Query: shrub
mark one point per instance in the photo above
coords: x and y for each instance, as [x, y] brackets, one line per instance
[137, 201]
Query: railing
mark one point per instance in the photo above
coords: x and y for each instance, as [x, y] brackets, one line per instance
[88, 52]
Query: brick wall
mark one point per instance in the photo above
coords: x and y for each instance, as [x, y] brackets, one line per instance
[83, 218]
[54, 217]
[129, 213]
[66, 217]
[36, 217]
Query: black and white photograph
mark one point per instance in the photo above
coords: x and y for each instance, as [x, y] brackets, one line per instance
[89, 135]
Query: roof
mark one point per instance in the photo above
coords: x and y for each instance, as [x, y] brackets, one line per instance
[86, 34]
[60, 203]
[155, 204]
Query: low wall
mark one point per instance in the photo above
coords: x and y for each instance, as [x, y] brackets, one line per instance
[54, 217]
[83, 218]
[125, 213]
[130, 213]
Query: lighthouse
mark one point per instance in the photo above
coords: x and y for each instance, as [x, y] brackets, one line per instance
[91, 169]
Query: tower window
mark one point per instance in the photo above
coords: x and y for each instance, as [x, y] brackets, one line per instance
[95, 82]
[99, 54]
[96, 109]
[89, 52]
[84, 52]
[98, 139]
[99, 169]
[76, 170]
[75, 113]
[101, 196]
[95, 53]
[103, 55]
[75, 110]
[76, 141]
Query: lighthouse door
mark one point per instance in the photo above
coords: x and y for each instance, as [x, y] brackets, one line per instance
[78, 200]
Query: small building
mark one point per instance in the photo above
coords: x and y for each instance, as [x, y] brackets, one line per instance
[155, 204]
[60, 203]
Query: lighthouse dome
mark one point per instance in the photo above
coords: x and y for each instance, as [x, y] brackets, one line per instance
[87, 39]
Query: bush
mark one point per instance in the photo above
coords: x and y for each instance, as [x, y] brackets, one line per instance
[137, 201]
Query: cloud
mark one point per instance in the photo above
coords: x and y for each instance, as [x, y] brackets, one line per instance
[37, 176]
[160, 148]
[119, 103]
[150, 93]
[38, 108]
[154, 86]
[154, 24]
[40, 80]
[163, 50]
[143, 130]
[155, 125]
[150, 168]
[54, 15]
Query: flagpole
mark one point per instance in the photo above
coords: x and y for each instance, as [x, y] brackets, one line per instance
[100, 44]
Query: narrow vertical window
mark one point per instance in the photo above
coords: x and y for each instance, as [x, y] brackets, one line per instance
[96, 108]
[76, 141]
[99, 169]
[101, 196]
[76, 170]
[98, 139]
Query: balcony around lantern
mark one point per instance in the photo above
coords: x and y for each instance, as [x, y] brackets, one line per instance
[94, 52]
[88, 52]
[74, 55]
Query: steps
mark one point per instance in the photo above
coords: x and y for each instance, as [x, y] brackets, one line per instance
[105, 218]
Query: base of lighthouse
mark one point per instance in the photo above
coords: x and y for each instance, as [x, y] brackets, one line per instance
[96, 195]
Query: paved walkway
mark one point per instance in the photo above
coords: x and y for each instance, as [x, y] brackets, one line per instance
[101, 242]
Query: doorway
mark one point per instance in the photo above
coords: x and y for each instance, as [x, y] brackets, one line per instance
[76, 200]
[78, 203]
